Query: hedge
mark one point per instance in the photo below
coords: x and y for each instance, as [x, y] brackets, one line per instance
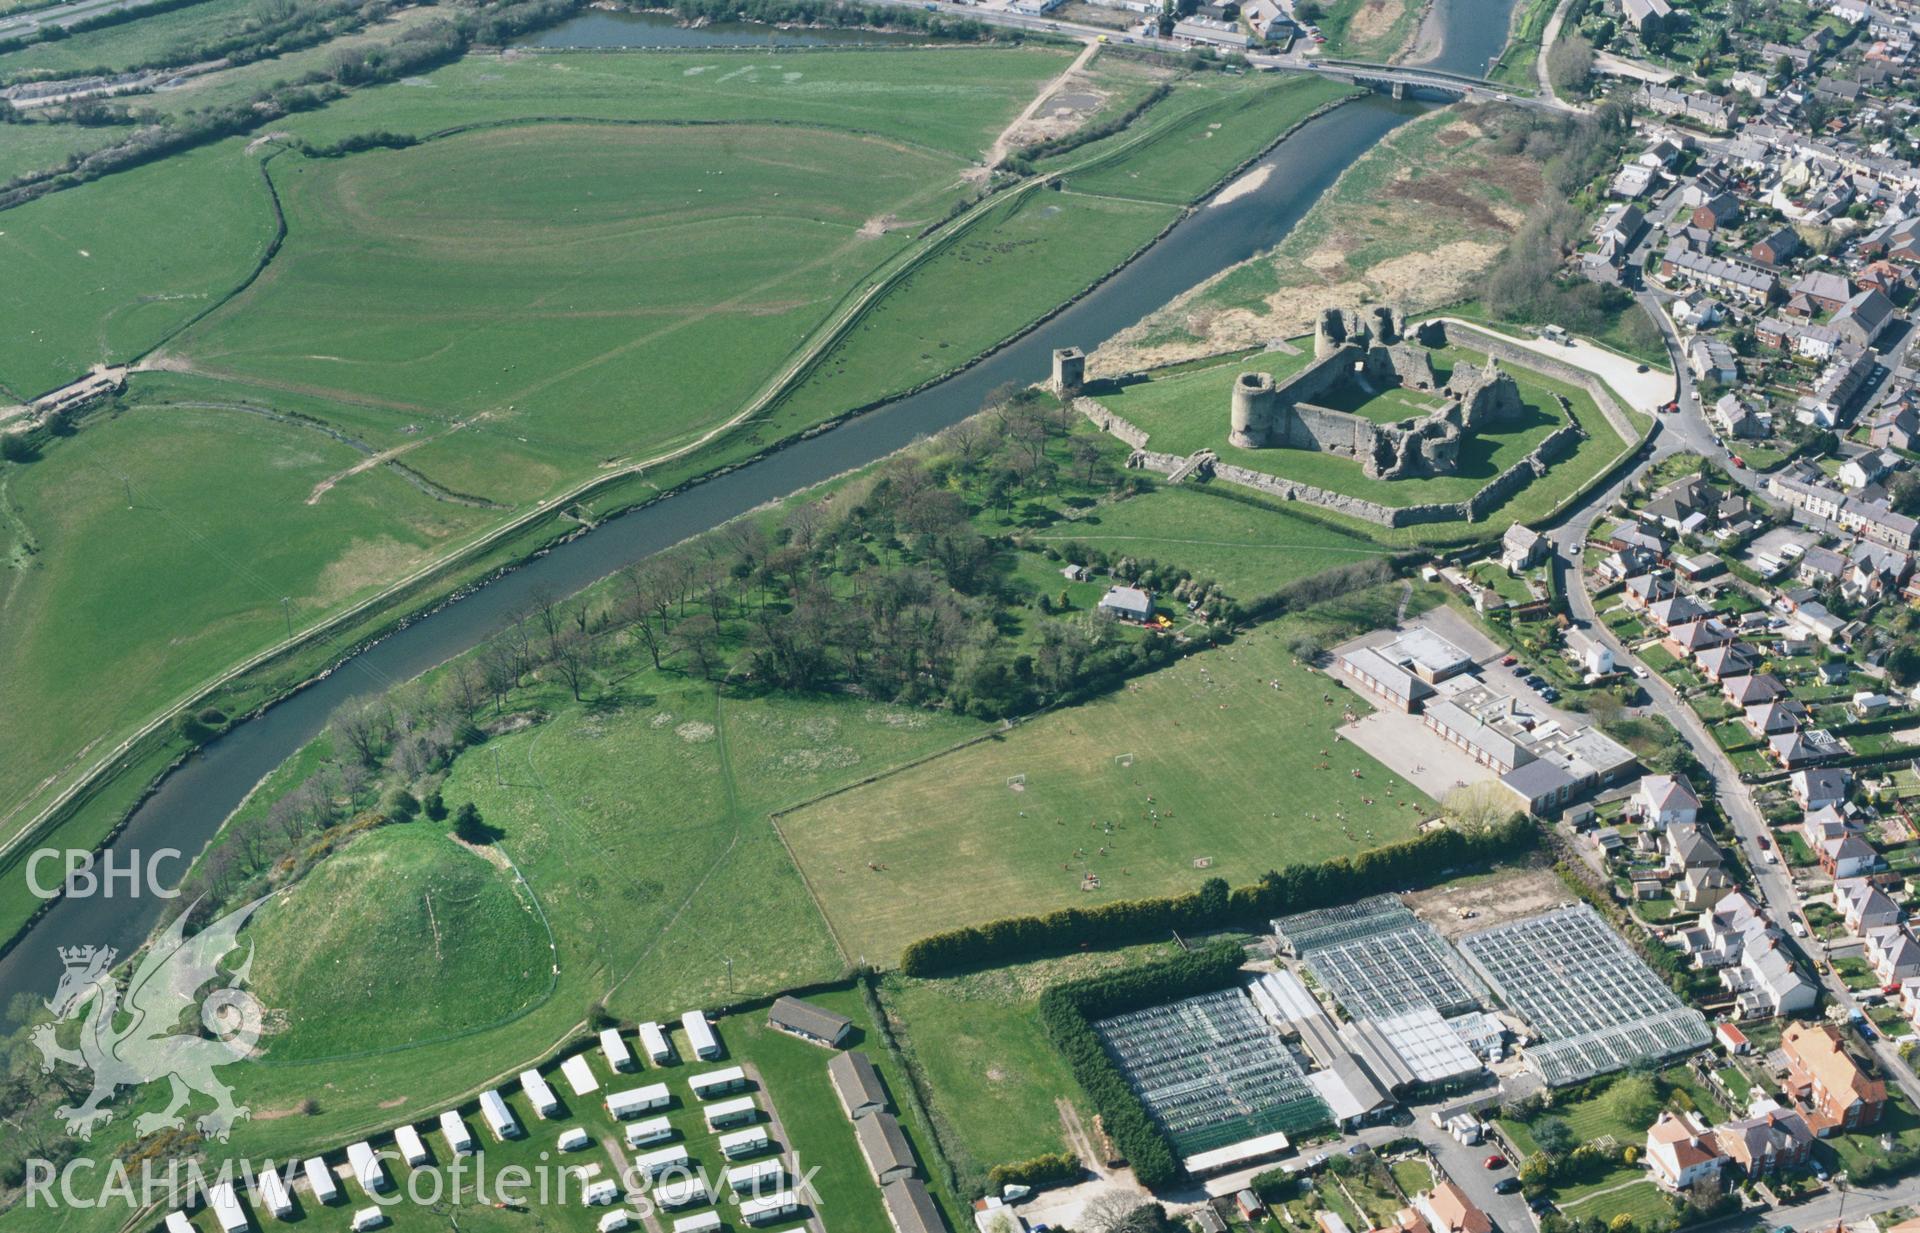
[1066, 1012]
[1050, 1169]
[1420, 861]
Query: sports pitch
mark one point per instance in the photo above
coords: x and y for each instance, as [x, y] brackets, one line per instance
[1226, 764]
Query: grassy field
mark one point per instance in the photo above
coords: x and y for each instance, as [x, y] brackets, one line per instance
[107, 270]
[1369, 29]
[34, 146]
[116, 48]
[1248, 550]
[1182, 776]
[1413, 222]
[519, 309]
[1188, 411]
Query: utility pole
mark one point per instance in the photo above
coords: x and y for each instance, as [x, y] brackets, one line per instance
[728, 960]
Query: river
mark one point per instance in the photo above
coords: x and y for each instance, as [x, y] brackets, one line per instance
[190, 804]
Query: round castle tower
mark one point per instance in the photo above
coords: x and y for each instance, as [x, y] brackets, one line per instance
[1252, 410]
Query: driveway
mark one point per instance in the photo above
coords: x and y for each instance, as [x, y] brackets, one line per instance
[1643, 391]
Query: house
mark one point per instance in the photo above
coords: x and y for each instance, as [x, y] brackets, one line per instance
[1522, 547]
[884, 1145]
[1897, 427]
[1767, 981]
[1127, 603]
[1893, 954]
[1736, 419]
[1767, 1142]
[1646, 16]
[1831, 1089]
[1848, 857]
[1701, 109]
[808, 1022]
[1703, 886]
[1826, 291]
[1746, 691]
[1865, 907]
[1864, 318]
[1712, 360]
[1720, 662]
[1662, 801]
[1818, 788]
[1744, 280]
[1866, 468]
[1766, 719]
[1447, 1209]
[1697, 635]
[1716, 211]
[1686, 846]
[1681, 1151]
[1732, 1039]
[857, 1083]
[1777, 247]
[1643, 590]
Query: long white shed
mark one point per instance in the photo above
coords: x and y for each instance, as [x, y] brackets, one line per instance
[367, 1167]
[653, 1038]
[579, 1075]
[413, 1149]
[500, 1119]
[715, 1082]
[763, 1175]
[652, 1130]
[745, 1142]
[731, 1112]
[225, 1203]
[320, 1177]
[700, 1037]
[653, 1164]
[702, 1222]
[539, 1095]
[771, 1207]
[680, 1192]
[270, 1191]
[453, 1128]
[617, 1054]
[637, 1100]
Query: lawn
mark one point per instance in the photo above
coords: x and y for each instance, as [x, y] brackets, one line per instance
[1369, 29]
[116, 48]
[32, 147]
[1213, 767]
[1249, 550]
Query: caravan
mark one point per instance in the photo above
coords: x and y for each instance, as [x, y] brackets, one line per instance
[700, 1037]
[500, 1119]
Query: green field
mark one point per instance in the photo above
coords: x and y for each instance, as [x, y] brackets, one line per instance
[1248, 550]
[107, 270]
[115, 48]
[36, 146]
[1210, 768]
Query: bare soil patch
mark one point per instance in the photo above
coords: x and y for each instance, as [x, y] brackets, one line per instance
[1491, 899]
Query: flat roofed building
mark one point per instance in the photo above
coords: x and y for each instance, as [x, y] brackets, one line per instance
[225, 1202]
[177, 1222]
[413, 1149]
[652, 1130]
[1432, 658]
[367, 1168]
[500, 1119]
[769, 1207]
[714, 1082]
[808, 1022]
[579, 1075]
[320, 1179]
[454, 1129]
[1382, 680]
[653, 1164]
[910, 1209]
[700, 1037]
[270, 1189]
[635, 1101]
[731, 1112]
[745, 1142]
[653, 1038]
[857, 1083]
[539, 1094]
[618, 1056]
[885, 1147]
[1485, 743]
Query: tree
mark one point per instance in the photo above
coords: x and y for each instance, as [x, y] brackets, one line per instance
[471, 828]
[1553, 1135]
[1633, 1100]
[698, 636]
[1570, 65]
[1479, 806]
[574, 655]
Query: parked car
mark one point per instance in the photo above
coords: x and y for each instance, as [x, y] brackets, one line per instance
[1507, 1185]
[1764, 842]
[1495, 1161]
[1640, 672]
[1509, 661]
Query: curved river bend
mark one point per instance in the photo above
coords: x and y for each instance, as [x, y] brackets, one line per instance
[190, 804]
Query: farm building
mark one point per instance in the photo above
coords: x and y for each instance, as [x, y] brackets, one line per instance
[857, 1083]
[614, 1221]
[680, 1192]
[413, 1149]
[572, 1139]
[225, 1202]
[635, 1101]
[808, 1022]
[884, 1145]
[270, 1189]
[617, 1054]
[454, 1130]
[368, 1218]
[732, 1112]
[539, 1094]
[700, 1037]
[653, 1164]
[367, 1168]
[177, 1222]
[1127, 603]
[715, 1082]
[600, 1193]
[753, 1178]
[320, 1178]
[745, 1142]
[579, 1075]
[701, 1222]
[500, 1119]
[653, 1130]
[772, 1207]
[910, 1209]
[653, 1038]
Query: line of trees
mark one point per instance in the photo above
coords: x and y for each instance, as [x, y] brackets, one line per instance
[836, 13]
[1439, 854]
[1067, 1013]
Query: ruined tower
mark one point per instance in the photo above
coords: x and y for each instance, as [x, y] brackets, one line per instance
[1329, 333]
[1069, 371]
[1252, 410]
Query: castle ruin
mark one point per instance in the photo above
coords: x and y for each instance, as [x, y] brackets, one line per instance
[1367, 349]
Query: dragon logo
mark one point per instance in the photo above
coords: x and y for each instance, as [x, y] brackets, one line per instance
[132, 1038]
